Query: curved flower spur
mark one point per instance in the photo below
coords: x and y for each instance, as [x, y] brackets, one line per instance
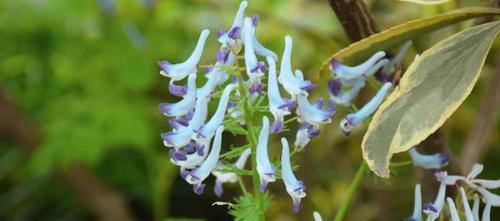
[195, 144]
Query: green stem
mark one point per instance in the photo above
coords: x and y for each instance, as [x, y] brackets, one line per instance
[350, 192]
[252, 140]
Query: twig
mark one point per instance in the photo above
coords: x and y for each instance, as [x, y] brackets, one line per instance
[355, 18]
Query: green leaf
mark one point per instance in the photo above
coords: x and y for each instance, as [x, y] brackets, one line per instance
[396, 35]
[432, 88]
[248, 208]
[234, 127]
[230, 168]
[235, 152]
[426, 2]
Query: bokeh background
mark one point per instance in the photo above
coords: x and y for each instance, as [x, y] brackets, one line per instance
[80, 126]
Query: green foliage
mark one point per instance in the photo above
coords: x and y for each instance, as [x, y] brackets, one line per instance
[432, 89]
[249, 208]
[396, 35]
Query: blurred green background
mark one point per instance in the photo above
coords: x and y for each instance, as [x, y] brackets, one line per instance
[80, 130]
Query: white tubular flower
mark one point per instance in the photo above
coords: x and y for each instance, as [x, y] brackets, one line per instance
[229, 39]
[207, 131]
[191, 155]
[221, 178]
[465, 202]
[278, 106]
[417, 209]
[344, 98]
[346, 72]
[255, 69]
[475, 207]
[488, 197]
[292, 84]
[352, 120]
[181, 70]
[486, 212]
[312, 114]
[197, 175]
[258, 47]
[432, 210]
[305, 134]
[294, 187]
[182, 137]
[265, 169]
[317, 216]
[431, 161]
[443, 177]
[390, 68]
[185, 105]
[453, 210]
[475, 171]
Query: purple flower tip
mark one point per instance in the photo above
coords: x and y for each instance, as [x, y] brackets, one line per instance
[218, 190]
[334, 85]
[313, 132]
[189, 148]
[200, 150]
[176, 90]
[163, 65]
[383, 77]
[199, 188]
[178, 155]
[235, 31]
[255, 20]
[334, 63]
[430, 207]
[277, 127]
[165, 108]
[221, 32]
[308, 86]
[222, 55]
[260, 67]
[256, 88]
[296, 207]
[445, 158]
[262, 186]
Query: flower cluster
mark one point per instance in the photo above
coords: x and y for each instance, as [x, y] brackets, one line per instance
[195, 141]
[480, 187]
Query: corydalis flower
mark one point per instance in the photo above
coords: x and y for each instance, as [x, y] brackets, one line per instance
[349, 72]
[317, 216]
[278, 106]
[265, 169]
[229, 38]
[293, 85]
[344, 97]
[294, 187]
[258, 47]
[305, 134]
[386, 73]
[417, 209]
[313, 114]
[181, 70]
[453, 210]
[229, 177]
[432, 161]
[352, 120]
[197, 175]
[207, 131]
[254, 68]
[190, 155]
[433, 209]
[182, 137]
[185, 105]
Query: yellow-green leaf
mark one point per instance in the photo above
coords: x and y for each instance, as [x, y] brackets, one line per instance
[426, 2]
[396, 35]
[432, 88]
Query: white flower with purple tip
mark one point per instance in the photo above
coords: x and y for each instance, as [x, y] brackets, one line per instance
[312, 114]
[230, 38]
[391, 67]
[229, 177]
[207, 131]
[432, 210]
[182, 137]
[255, 69]
[352, 120]
[294, 187]
[431, 161]
[349, 72]
[305, 133]
[191, 155]
[292, 84]
[265, 169]
[198, 175]
[185, 105]
[258, 47]
[278, 106]
[181, 70]
[344, 97]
